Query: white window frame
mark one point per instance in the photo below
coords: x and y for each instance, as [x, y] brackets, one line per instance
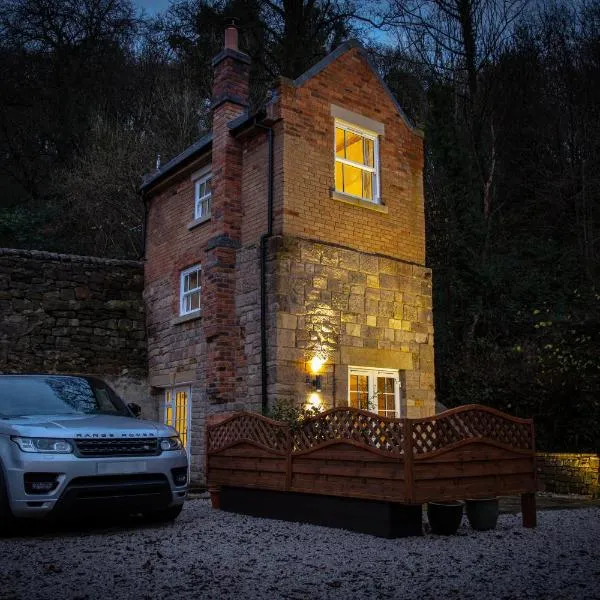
[183, 295]
[198, 200]
[371, 135]
[372, 374]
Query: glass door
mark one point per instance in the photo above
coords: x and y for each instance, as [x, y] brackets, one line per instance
[377, 390]
[177, 412]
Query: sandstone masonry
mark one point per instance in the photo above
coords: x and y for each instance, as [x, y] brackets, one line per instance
[74, 314]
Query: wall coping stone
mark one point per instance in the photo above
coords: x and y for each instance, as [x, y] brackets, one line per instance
[58, 257]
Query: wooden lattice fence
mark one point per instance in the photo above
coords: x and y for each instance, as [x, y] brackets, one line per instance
[467, 452]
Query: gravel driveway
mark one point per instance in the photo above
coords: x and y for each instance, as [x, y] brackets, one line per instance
[213, 554]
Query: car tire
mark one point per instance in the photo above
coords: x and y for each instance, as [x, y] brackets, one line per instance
[7, 520]
[164, 515]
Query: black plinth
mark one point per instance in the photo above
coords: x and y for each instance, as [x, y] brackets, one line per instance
[383, 519]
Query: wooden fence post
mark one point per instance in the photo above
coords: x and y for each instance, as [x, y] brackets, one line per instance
[409, 487]
[288, 459]
[528, 509]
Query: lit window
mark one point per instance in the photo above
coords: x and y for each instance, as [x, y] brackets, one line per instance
[356, 162]
[203, 195]
[376, 390]
[189, 297]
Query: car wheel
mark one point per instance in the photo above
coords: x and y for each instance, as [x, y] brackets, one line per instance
[7, 520]
[164, 515]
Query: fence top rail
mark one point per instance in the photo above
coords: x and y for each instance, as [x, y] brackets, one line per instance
[386, 434]
[220, 419]
[473, 407]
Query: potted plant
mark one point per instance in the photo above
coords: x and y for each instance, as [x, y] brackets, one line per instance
[445, 517]
[482, 513]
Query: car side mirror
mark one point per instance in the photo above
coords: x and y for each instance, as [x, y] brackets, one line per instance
[136, 409]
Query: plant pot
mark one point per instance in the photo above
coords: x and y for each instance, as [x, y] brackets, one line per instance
[482, 513]
[445, 517]
[215, 497]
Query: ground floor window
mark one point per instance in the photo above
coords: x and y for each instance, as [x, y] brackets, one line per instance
[177, 412]
[377, 390]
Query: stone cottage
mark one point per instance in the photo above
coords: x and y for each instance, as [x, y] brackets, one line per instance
[285, 252]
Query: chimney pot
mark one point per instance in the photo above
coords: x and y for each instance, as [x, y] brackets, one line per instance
[231, 36]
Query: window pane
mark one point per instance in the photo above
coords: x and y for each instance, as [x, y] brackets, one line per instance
[193, 280]
[386, 397]
[354, 147]
[339, 177]
[339, 142]
[367, 185]
[194, 301]
[359, 391]
[352, 180]
[369, 153]
[207, 186]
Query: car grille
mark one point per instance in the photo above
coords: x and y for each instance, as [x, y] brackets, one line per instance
[118, 447]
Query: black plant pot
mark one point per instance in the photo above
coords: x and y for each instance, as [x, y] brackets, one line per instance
[482, 513]
[444, 517]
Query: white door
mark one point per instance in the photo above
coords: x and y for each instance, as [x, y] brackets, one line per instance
[377, 390]
[178, 411]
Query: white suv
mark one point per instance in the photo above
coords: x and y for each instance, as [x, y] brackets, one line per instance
[68, 444]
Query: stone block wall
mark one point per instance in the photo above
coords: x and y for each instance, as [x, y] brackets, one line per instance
[74, 314]
[565, 473]
[357, 309]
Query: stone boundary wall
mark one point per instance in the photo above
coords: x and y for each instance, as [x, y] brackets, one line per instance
[565, 473]
[63, 313]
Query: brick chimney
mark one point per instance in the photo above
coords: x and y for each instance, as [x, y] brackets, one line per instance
[221, 328]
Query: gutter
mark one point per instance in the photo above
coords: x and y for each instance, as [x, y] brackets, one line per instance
[264, 240]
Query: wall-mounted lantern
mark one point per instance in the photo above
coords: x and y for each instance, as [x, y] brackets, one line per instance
[314, 379]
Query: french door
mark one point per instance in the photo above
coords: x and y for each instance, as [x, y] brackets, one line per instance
[376, 390]
[178, 412]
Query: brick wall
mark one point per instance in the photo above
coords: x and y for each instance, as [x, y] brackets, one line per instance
[358, 309]
[565, 473]
[74, 314]
[306, 208]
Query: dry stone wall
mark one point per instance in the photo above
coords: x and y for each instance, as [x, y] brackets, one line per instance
[74, 314]
[565, 473]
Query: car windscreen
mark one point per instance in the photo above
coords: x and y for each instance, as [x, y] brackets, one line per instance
[56, 395]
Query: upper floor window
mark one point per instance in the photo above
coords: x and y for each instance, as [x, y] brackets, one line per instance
[202, 196]
[189, 296]
[356, 162]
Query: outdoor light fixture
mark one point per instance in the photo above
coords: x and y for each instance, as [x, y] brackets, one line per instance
[316, 382]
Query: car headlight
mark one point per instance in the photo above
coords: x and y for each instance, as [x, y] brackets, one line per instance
[45, 445]
[171, 443]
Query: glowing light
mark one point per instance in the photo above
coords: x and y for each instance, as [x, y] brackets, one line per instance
[316, 362]
[314, 402]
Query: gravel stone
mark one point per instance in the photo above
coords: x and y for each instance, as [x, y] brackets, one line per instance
[213, 554]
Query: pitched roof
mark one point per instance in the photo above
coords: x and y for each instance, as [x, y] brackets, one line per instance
[204, 143]
[198, 147]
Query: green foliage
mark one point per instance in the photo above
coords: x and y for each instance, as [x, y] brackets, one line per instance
[288, 412]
